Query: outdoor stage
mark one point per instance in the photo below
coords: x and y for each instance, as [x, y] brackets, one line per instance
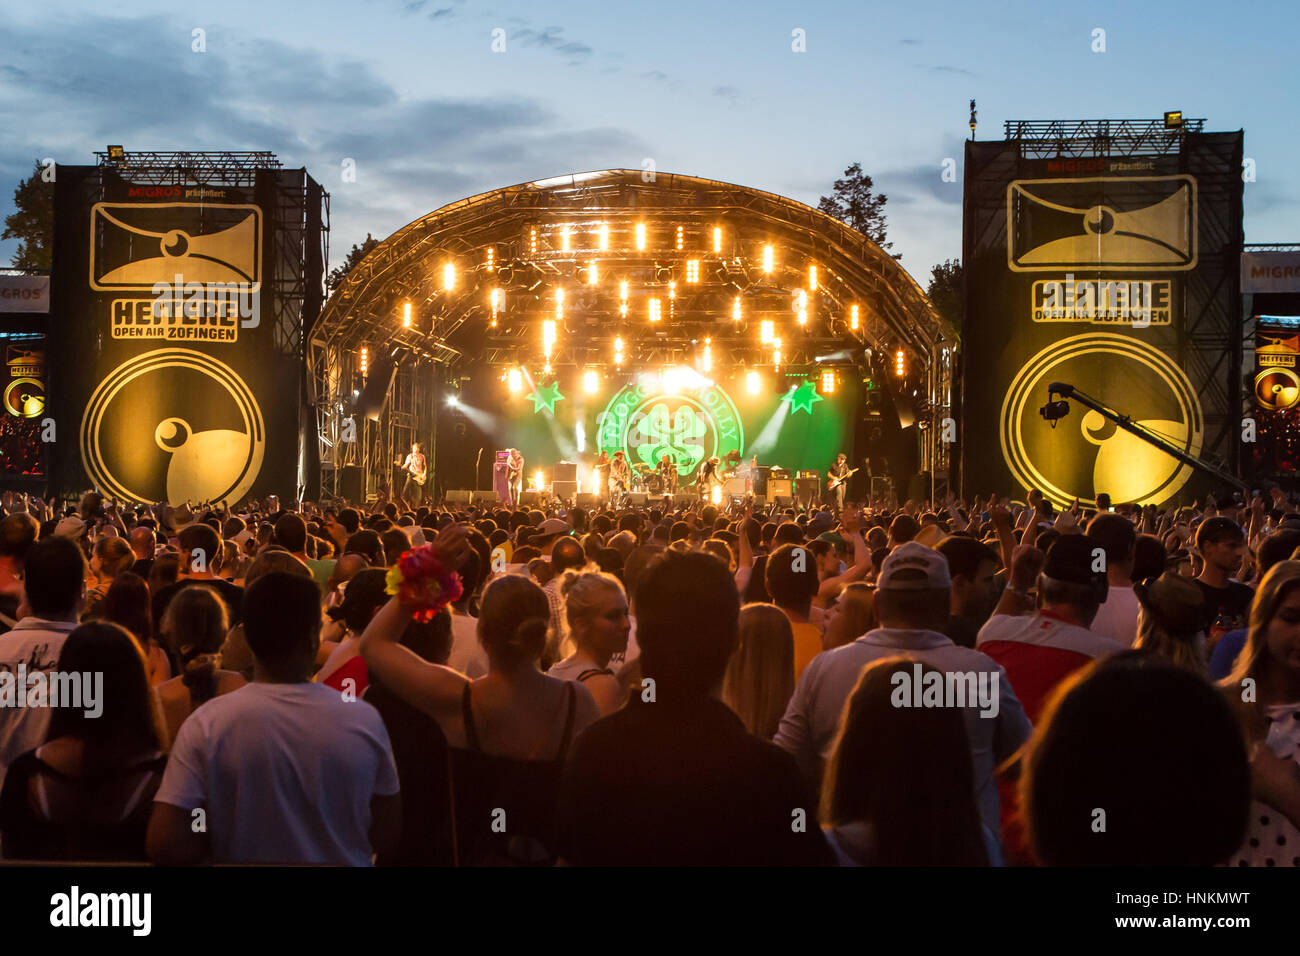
[651, 315]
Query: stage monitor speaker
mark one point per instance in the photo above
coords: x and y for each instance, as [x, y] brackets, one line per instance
[488, 497]
[459, 497]
[586, 499]
[530, 499]
[780, 488]
[564, 489]
[351, 484]
[637, 499]
[564, 471]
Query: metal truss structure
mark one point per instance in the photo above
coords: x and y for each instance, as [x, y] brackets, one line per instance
[588, 258]
[1056, 138]
[209, 168]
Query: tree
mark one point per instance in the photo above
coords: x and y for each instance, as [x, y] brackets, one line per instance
[32, 221]
[945, 291]
[854, 204]
[356, 254]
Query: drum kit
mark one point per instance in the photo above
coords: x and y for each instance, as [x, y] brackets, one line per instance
[646, 479]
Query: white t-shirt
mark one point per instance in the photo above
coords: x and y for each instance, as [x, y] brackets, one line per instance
[467, 654]
[37, 643]
[285, 772]
[1118, 617]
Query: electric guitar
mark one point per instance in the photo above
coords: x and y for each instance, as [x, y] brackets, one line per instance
[834, 483]
[410, 469]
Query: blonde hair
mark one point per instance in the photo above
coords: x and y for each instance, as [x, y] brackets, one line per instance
[581, 591]
[759, 680]
[1281, 579]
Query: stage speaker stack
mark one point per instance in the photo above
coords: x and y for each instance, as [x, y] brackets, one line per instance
[807, 489]
[760, 480]
[564, 489]
[918, 487]
[350, 484]
[564, 471]
[734, 488]
[489, 497]
[459, 497]
[779, 488]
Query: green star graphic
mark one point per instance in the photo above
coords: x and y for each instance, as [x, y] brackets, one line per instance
[802, 397]
[545, 397]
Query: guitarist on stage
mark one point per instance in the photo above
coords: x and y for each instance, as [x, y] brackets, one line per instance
[838, 476]
[417, 471]
[515, 476]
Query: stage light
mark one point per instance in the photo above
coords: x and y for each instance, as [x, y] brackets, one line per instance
[769, 257]
[854, 320]
[618, 352]
[406, 315]
[539, 480]
[717, 494]
[491, 259]
[559, 303]
[546, 369]
[532, 241]
[751, 382]
[448, 277]
[672, 290]
[514, 381]
[496, 299]
[776, 353]
[767, 331]
[735, 308]
[548, 338]
[812, 277]
[453, 400]
[708, 356]
[828, 383]
[656, 309]
[672, 380]
[1174, 119]
[117, 154]
[365, 359]
[590, 382]
[622, 291]
[801, 306]
[564, 238]
[593, 273]
[717, 238]
[604, 238]
[640, 236]
[692, 270]
[899, 367]
[680, 238]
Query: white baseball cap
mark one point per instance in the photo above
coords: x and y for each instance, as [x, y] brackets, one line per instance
[912, 557]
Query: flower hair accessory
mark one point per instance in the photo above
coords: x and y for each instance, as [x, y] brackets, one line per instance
[423, 581]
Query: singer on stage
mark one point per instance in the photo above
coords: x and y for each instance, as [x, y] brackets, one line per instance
[417, 470]
[620, 475]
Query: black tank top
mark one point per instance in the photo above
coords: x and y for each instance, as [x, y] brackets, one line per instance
[504, 807]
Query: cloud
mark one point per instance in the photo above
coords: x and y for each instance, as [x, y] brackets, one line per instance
[551, 38]
[441, 12]
[950, 69]
[657, 75]
[412, 155]
[909, 41]
[727, 93]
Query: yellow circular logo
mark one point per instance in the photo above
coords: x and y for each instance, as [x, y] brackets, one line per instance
[1085, 454]
[176, 425]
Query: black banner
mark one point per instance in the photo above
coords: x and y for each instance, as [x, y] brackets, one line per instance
[1115, 275]
[169, 377]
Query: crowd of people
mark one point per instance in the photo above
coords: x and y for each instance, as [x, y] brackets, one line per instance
[992, 683]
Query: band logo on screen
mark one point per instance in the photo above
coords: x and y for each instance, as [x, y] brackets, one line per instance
[690, 426]
[175, 425]
[1085, 454]
[200, 263]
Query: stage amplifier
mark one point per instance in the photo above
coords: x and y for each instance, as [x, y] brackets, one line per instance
[810, 474]
[780, 488]
[487, 497]
[458, 497]
[565, 471]
[807, 490]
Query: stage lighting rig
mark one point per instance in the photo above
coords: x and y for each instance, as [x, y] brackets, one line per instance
[1056, 408]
